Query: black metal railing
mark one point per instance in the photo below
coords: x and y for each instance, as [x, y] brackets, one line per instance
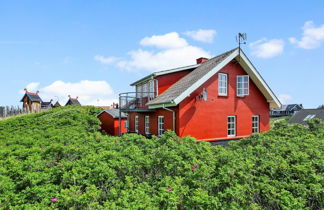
[135, 100]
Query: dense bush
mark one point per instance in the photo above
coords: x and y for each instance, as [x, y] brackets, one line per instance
[58, 159]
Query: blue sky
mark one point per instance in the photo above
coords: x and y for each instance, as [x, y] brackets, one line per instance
[95, 49]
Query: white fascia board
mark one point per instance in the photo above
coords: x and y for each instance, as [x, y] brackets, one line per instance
[155, 106]
[259, 81]
[207, 76]
[175, 70]
[159, 73]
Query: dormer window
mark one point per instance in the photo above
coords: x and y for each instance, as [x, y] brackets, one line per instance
[222, 84]
[242, 85]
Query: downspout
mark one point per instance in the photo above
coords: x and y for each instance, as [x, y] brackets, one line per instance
[173, 115]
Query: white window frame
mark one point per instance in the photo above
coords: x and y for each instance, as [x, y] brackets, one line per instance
[255, 123]
[160, 125]
[147, 124]
[244, 89]
[126, 124]
[231, 126]
[136, 124]
[222, 84]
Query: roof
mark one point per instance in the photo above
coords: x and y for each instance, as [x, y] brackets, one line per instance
[47, 103]
[57, 104]
[114, 113]
[163, 72]
[73, 101]
[288, 107]
[300, 116]
[34, 97]
[189, 83]
[184, 83]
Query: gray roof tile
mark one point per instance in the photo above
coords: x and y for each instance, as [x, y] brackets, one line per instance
[302, 114]
[184, 83]
[114, 113]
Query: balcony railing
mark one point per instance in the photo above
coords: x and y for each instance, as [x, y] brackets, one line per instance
[135, 101]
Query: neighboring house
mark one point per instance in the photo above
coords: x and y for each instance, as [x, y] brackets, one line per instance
[47, 105]
[286, 110]
[57, 104]
[306, 114]
[31, 101]
[73, 101]
[109, 119]
[222, 98]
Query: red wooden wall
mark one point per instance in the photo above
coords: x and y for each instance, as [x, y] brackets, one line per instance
[165, 81]
[208, 119]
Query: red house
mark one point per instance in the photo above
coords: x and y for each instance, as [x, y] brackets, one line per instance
[109, 119]
[222, 98]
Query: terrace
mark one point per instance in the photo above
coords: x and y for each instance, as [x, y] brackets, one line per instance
[135, 101]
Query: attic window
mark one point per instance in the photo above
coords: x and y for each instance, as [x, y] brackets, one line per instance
[309, 117]
[242, 88]
[222, 84]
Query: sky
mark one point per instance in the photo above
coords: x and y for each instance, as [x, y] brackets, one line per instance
[95, 49]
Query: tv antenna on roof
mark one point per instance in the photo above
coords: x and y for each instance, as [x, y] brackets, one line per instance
[241, 39]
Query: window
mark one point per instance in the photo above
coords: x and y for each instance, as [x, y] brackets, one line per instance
[126, 124]
[139, 91]
[160, 125]
[231, 126]
[242, 86]
[308, 117]
[222, 84]
[136, 124]
[205, 95]
[255, 124]
[145, 90]
[147, 124]
[151, 88]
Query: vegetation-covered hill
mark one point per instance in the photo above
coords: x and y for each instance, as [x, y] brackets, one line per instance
[58, 159]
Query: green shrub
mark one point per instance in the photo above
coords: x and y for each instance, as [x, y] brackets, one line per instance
[60, 154]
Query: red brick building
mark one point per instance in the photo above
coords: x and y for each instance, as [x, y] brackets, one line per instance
[222, 98]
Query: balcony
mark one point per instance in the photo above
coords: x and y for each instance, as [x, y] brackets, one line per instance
[135, 101]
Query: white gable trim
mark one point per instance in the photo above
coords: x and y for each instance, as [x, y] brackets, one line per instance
[201, 81]
[259, 81]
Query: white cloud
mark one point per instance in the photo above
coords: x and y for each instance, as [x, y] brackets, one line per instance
[312, 36]
[202, 35]
[284, 98]
[267, 49]
[170, 51]
[170, 58]
[97, 93]
[105, 60]
[166, 41]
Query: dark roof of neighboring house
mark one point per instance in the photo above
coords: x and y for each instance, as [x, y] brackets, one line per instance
[73, 101]
[57, 104]
[114, 113]
[288, 107]
[34, 97]
[300, 116]
[184, 83]
[49, 103]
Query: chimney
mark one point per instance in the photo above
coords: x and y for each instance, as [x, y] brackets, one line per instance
[37, 92]
[201, 60]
